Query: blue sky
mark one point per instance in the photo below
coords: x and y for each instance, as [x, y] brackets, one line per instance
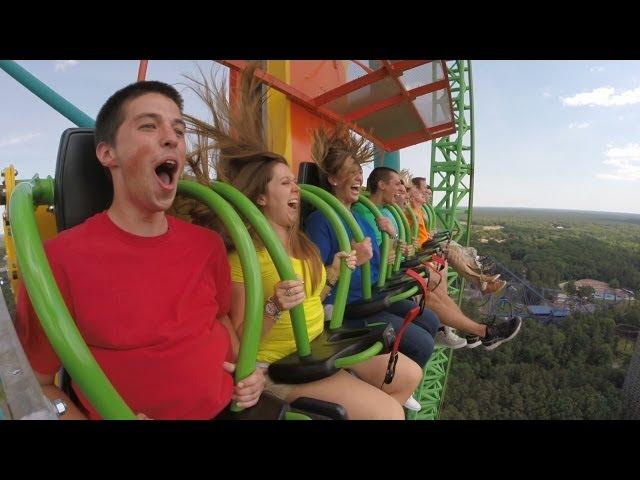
[549, 134]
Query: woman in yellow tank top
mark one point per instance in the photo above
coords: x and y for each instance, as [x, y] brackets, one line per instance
[244, 161]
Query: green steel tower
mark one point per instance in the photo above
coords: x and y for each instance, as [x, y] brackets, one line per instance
[452, 183]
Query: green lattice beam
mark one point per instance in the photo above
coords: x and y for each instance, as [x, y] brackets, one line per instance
[452, 160]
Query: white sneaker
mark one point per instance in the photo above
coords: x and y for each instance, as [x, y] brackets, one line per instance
[446, 338]
[412, 404]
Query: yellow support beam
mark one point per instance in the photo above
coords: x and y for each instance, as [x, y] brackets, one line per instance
[278, 118]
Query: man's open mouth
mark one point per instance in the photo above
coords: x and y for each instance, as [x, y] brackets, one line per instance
[166, 172]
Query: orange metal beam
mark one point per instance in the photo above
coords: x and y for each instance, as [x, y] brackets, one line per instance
[142, 70]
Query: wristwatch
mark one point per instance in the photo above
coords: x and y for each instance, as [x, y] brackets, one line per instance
[59, 406]
[272, 309]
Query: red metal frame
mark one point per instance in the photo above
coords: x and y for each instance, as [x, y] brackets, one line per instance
[349, 87]
[142, 70]
[390, 101]
[402, 65]
[316, 105]
[394, 74]
[363, 66]
[301, 99]
[374, 107]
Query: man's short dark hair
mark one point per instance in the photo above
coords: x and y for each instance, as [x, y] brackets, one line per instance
[377, 174]
[416, 181]
[111, 114]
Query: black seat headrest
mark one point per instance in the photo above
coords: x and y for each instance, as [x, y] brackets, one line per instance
[309, 173]
[82, 187]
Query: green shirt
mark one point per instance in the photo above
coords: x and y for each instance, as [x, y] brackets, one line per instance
[387, 213]
[365, 213]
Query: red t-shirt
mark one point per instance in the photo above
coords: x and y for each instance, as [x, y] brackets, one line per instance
[147, 308]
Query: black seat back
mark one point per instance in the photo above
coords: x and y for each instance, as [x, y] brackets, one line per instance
[82, 186]
[309, 174]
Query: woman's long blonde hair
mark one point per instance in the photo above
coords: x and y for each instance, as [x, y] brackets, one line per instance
[234, 146]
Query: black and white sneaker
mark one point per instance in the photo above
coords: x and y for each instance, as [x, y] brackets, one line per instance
[500, 333]
[473, 341]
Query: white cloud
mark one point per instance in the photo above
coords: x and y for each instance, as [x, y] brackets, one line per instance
[596, 69]
[5, 142]
[608, 176]
[546, 93]
[631, 150]
[62, 65]
[603, 97]
[623, 161]
[579, 125]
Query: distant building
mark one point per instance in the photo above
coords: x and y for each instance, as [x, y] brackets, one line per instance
[603, 291]
[545, 312]
[539, 310]
[606, 296]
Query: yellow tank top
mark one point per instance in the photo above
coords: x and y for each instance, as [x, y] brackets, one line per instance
[279, 341]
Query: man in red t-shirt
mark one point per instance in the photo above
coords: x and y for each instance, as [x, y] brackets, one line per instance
[149, 293]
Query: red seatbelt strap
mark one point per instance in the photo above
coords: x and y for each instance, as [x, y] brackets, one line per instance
[439, 259]
[409, 317]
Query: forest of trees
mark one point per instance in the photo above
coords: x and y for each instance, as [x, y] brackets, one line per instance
[589, 247]
[572, 370]
[548, 372]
